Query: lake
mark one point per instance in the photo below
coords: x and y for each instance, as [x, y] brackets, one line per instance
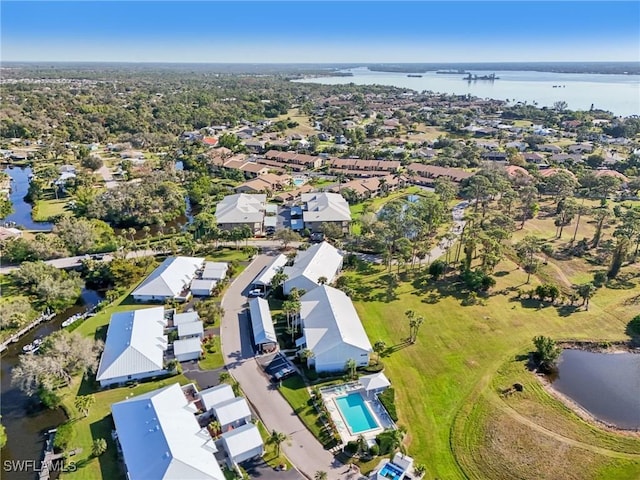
[619, 94]
[22, 210]
[607, 385]
[24, 418]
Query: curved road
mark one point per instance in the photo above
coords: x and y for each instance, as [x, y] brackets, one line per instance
[304, 451]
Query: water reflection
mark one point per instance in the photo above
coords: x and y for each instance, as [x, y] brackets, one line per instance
[24, 418]
[606, 385]
[20, 177]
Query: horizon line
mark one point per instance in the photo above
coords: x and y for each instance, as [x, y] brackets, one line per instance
[322, 63]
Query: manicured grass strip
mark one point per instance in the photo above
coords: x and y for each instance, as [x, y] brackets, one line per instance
[270, 456]
[212, 359]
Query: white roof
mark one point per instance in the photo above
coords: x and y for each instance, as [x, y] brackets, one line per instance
[215, 395]
[188, 345]
[319, 260]
[267, 273]
[186, 317]
[242, 439]
[261, 321]
[161, 438]
[197, 285]
[231, 410]
[215, 270]
[191, 328]
[241, 208]
[325, 207]
[329, 318]
[170, 278]
[135, 343]
[374, 381]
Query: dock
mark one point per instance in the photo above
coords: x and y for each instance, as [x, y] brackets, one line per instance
[16, 336]
[49, 456]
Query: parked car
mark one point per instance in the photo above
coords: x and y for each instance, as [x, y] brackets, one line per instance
[256, 292]
[284, 373]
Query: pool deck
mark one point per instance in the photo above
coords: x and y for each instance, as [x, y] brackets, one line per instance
[371, 402]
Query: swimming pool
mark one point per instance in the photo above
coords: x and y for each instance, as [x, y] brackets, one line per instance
[356, 414]
[390, 470]
[298, 181]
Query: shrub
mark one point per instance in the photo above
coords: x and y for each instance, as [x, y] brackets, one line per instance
[374, 450]
[599, 278]
[49, 398]
[387, 398]
[351, 447]
[64, 436]
[633, 329]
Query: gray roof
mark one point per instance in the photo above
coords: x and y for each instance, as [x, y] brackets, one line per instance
[197, 285]
[319, 260]
[188, 345]
[241, 208]
[263, 331]
[186, 317]
[215, 270]
[329, 318]
[191, 328]
[325, 207]
[267, 273]
[170, 278]
[231, 410]
[242, 439]
[215, 395]
[161, 438]
[135, 344]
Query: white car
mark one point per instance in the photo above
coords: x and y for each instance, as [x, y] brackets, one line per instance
[256, 292]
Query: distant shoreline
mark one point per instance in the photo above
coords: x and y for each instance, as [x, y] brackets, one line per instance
[324, 69]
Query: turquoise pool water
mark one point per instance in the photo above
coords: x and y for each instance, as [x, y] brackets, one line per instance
[356, 413]
[390, 470]
[298, 181]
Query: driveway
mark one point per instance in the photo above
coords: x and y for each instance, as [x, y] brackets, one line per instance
[303, 449]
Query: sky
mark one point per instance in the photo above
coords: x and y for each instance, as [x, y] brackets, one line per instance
[319, 32]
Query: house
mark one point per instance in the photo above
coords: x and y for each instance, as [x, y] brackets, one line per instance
[549, 147]
[321, 208]
[495, 156]
[332, 330]
[426, 174]
[186, 317]
[398, 468]
[232, 413]
[263, 280]
[134, 348]
[169, 281]
[215, 395]
[243, 443]
[191, 330]
[202, 288]
[264, 334]
[215, 271]
[187, 349]
[320, 261]
[236, 211]
[309, 162]
[533, 157]
[161, 439]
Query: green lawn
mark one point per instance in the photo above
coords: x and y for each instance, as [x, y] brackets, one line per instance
[44, 210]
[99, 424]
[460, 348]
[270, 456]
[376, 204]
[212, 360]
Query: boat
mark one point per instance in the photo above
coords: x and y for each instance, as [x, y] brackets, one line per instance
[471, 77]
[72, 319]
[413, 75]
[32, 347]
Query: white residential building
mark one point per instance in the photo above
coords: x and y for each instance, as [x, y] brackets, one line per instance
[170, 281]
[187, 349]
[263, 279]
[264, 334]
[161, 439]
[134, 348]
[318, 261]
[232, 413]
[215, 395]
[236, 211]
[243, 443]
[332, 330]
[321, 208]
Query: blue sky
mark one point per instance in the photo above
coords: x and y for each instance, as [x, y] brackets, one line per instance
[314, 32]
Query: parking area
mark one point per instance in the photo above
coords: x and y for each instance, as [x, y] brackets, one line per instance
[276, 364]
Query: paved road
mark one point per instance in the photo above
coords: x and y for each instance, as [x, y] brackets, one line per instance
[107, 177]
[304, 451]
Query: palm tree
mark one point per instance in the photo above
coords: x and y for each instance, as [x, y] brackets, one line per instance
[585, 291]
[322, 280]
[277, 439]
[215, 427]
[350, 367]
[306, 354]
[379, 347]
[320, 475]
[414, 326]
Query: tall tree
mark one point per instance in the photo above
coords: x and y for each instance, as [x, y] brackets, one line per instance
[527, 249]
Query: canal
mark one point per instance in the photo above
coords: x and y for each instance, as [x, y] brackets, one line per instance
[21, 215]
[24, 418]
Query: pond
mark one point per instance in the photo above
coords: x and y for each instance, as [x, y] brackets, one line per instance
[24, 418]
[607, 385]
[20, 177]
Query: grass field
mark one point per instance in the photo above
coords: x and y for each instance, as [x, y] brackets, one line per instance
[212, 360]
[44, 210]
[441, 378]
[99, 424]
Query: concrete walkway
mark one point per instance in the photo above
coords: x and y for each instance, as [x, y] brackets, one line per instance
[303, 449]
